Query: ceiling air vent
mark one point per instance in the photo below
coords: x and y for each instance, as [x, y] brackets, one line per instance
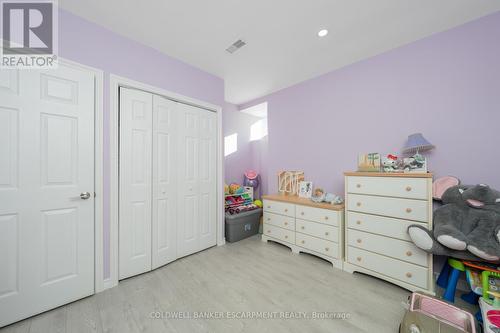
[236, 46]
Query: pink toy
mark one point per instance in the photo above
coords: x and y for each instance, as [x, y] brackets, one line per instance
[427, 314]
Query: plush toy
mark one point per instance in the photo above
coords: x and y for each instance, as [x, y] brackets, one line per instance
[468, 220]
[318, 195]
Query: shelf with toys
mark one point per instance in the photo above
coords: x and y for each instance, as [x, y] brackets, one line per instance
[236, 195]
[238, 198]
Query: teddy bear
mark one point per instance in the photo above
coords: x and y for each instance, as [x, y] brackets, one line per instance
[466, 226]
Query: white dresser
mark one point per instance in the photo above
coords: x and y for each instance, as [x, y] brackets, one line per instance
[305, 226]
[379, 209]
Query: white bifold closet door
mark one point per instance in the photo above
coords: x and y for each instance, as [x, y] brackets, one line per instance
[167, 181]
[197, 179]
[136, 136]
[164, 226]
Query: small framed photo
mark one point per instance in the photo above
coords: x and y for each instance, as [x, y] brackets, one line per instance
[416, 163]
[305, 189]
[369, 162]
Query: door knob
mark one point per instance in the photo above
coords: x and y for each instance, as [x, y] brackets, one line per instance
[85, 195]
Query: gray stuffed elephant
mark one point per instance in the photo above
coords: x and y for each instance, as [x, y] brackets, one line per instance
[467, 226]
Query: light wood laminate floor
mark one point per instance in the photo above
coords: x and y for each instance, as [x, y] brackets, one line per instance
[245, 276]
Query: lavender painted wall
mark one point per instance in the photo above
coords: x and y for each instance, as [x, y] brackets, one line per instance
[92, 45]
[446, 86]
[250, 153]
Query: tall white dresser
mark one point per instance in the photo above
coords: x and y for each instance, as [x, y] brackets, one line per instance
[305, 226]
[379, 209]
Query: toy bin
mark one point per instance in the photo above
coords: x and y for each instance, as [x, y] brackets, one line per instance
[242, 225]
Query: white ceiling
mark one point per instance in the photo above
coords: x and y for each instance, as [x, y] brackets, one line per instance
[282, 44]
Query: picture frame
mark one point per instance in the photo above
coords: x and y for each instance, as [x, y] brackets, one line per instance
[416, 164]
[369, 162]
[305, 189]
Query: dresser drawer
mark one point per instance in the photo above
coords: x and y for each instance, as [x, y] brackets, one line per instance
[282, 221]
[279, 233]
[390, 247]
[322, 246]
[320, 215]
[281, 208]
[319, 230]
[413, 188]
[410, 209]
[386, 226]
[409, 273]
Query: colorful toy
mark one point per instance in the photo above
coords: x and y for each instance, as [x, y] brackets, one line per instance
[427, 314]
[235, 188]
[258, 203]
[226, 189]
[490, 315]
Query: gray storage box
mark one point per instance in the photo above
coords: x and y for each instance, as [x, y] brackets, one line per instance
[242, 225]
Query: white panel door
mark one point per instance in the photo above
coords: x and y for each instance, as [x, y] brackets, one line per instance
[46, 163]
[196, 163]
[135, 182]
[207, 178]
[164, 237]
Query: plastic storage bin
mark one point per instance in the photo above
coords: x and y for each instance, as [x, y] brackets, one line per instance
[242, 225]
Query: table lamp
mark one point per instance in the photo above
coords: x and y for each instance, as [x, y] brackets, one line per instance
[417, 143]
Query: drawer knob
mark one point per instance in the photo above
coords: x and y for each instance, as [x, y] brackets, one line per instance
[286, 236]
[358, 222]
[358, 204]
[358, 185]
[302, 213]
[408, 210]
[359, 240]
[327, 249]
[303, 242]
[286, 223]
[409, 254]
[268, 206]
[302, 227]
[409, 275]
[326, 233]
[358, 258]
[269, 219]
[326, 217]
[286, 210]
[408, 188]
[269, 231]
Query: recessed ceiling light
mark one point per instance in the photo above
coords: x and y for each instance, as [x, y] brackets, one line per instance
[322, 33]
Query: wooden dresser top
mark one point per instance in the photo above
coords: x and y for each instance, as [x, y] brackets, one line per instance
[390, 174]
[294, 199]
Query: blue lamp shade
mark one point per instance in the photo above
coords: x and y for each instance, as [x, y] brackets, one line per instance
[417, 143]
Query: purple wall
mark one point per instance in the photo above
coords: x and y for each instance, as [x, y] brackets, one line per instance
[249, 153]
[446, 86]
[92, 45]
